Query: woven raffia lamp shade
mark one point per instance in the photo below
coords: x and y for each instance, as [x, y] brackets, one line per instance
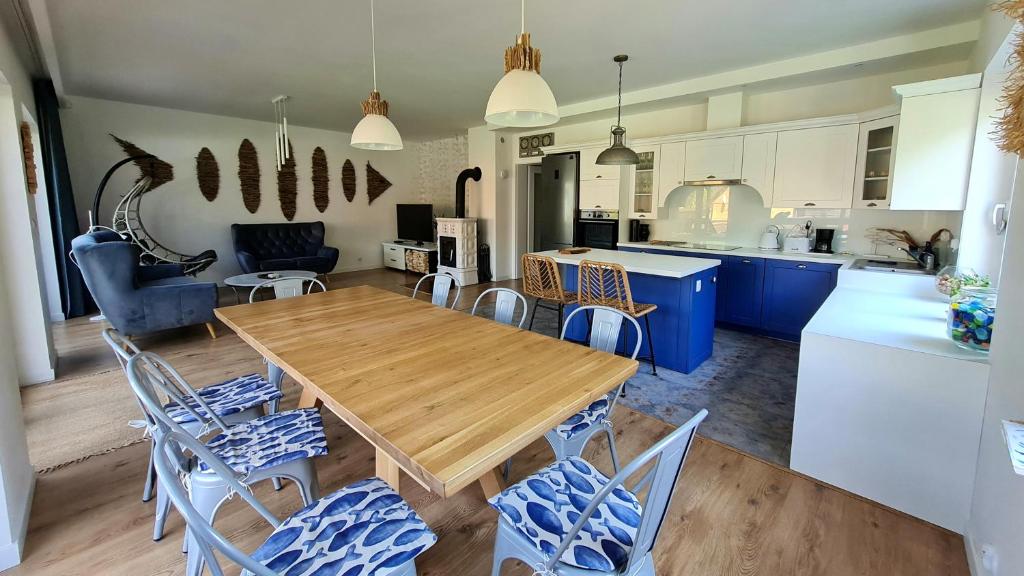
[522, 98]
[375, 131]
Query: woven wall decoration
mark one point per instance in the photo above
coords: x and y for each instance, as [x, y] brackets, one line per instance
[320, 179]
[29, 156]
[208, 174]
[348, 180]
[288, 186]
[159, 172]
[376, 183]
[249, 175]
[1009, 131]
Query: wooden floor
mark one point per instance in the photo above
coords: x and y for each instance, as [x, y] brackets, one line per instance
[732, 514]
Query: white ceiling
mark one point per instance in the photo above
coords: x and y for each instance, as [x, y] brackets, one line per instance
[437, 60]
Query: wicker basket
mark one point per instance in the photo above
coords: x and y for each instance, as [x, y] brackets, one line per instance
[417, 261]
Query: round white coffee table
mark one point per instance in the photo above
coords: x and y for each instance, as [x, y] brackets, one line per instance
[256, 278]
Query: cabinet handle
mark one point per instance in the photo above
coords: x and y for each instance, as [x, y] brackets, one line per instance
[872, 204]
[711, 176]
[598, 176]
[802, 266]
[641, 216]
[746, 261]
[809, 204]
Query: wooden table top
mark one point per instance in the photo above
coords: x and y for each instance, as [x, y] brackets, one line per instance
[447, 395]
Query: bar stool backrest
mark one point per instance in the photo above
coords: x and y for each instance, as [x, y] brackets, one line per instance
[605, 284]
[541, 278]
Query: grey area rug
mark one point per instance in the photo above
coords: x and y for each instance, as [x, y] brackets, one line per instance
[748, 386]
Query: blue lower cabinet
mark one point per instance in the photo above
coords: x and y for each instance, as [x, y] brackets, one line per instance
[740, 291]
[793, 292]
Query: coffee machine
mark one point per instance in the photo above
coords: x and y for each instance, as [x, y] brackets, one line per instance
[639, 231]
[823, 240]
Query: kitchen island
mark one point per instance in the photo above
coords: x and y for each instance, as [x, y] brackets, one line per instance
[684, 289]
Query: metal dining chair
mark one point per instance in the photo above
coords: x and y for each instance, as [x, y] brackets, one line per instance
[279, 445]
[569, 519]
[365, 528]
[287, 287]
[442, 287]
[505, 303]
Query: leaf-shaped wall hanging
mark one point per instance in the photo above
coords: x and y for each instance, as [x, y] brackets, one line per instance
[158, 171]
[208, 174]
[376, 183]
[249, 175]
[348, 180]
[321, 180]
[288, 185]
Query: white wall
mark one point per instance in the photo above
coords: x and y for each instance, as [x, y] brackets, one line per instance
[177, 214]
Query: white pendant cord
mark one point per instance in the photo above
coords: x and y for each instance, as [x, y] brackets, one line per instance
[373, 46]
[522, 26]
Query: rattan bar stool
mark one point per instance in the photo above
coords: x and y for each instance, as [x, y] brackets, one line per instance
[542, 281]
[607, 284]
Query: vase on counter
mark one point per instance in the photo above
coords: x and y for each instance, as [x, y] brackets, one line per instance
[972, 316]
[951, 279]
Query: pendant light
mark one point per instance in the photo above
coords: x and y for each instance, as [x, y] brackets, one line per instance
[618, 153]
[522, 98]
[375, 131]
[282, 146]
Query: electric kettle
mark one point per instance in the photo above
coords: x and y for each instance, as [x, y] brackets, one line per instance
[770, 238]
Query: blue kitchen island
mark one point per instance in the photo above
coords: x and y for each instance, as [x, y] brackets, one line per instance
[683, 326]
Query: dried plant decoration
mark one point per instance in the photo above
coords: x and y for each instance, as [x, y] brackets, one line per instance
[1009, 131]
[348, 180]
[29, 156]
[321, 180]
[249, 175]
[376, 183]
[288, 186]
[208, 174]
[158, 171]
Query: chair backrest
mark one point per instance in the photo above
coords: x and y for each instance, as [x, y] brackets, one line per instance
[605, 325]
[206, 536]
[124, 350]
[108, 264]
[150, 377]
[541, 278]
[604, 284]
[442, 287]
[279, 239]
[504, 305]
[669, 455]
[287, 287]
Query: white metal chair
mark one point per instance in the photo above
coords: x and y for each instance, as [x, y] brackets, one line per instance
[442, 287]
[364, 528]
[287, 287]
[505, 303]
[569, 519]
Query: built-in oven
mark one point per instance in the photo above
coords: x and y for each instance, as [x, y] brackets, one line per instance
[598, 229]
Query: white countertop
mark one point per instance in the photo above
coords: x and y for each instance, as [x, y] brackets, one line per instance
[640, 263]
[751, 253]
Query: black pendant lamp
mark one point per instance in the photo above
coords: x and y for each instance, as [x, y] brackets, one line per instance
[618, 154]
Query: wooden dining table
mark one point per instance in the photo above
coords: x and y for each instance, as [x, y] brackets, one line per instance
[445, 396]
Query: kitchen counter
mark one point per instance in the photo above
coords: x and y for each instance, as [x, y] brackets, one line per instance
[635, 262]
[750, 253]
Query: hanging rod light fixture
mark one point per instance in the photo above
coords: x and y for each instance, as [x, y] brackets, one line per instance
[522, 98]
[282, 147]
[375, 131]
[618, 153]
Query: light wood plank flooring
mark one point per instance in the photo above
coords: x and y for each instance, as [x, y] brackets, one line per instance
[732, 513]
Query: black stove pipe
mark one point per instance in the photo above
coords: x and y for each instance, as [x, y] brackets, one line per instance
[460, 189]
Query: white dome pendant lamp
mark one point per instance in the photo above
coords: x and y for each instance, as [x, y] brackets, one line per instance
[522, 98]
[618, 153]
[375, 131]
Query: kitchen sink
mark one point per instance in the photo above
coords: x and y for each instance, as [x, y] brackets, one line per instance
[897, 266]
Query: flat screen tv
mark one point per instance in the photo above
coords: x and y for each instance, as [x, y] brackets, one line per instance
[416, 222]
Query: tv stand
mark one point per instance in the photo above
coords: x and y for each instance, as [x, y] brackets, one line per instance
[403, 255]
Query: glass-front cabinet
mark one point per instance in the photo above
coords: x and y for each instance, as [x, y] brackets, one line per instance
[643, 195]
[875, 156]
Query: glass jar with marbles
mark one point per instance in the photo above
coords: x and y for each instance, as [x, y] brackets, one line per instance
[972, 317]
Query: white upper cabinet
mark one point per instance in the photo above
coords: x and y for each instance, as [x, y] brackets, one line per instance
[875, 157]
[670, 171]
[590, 170]
[814, 167]
[936, 138]
[759, 164]
[714, 159]
[601, 194]
[643, 183]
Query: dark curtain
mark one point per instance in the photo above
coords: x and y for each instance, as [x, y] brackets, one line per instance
[76, 300]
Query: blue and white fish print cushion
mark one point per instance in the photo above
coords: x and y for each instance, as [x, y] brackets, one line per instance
[584, 419]
[544, 506]
[270, 440]
[364, 529]
[229, 397]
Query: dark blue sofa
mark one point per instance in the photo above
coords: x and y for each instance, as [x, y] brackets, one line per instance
[139, 299]
[289, 246]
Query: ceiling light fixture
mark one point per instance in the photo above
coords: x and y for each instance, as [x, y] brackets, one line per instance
[618, 153]
[522, 98]
[282, 147]
[375, 131]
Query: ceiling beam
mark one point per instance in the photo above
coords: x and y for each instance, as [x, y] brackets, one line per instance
[45, 46]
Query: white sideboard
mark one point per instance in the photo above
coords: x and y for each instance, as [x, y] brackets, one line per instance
[394, 253]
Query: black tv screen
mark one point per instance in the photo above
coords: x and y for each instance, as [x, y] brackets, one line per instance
[416, 222]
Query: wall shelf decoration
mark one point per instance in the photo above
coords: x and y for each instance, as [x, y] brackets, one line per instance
[348, 180]
[29, 156]
[321, 179]
[287, 186]
[249, 175]
[376, 183]
[158, 171]
[208, 174]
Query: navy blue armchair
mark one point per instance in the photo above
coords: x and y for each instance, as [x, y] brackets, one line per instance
[289, 246]
[140, 299]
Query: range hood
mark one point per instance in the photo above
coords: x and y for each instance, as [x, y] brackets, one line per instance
[712, 181]
[724, 111]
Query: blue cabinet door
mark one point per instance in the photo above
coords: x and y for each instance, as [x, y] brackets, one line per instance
[793, 292]
[740, 291]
